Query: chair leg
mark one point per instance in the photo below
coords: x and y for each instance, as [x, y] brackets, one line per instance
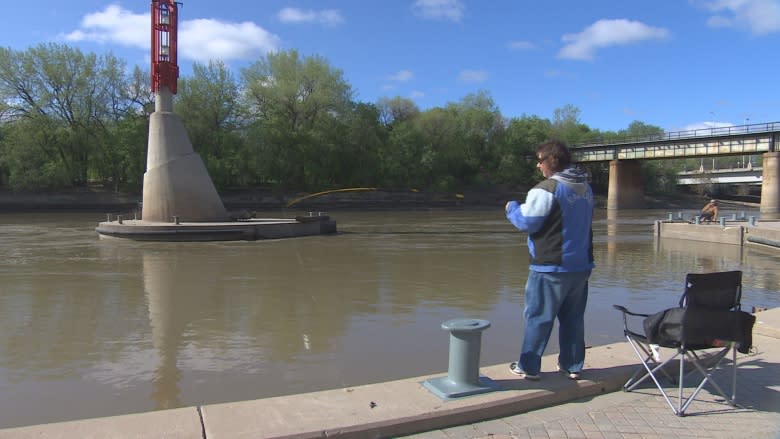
[707, 375]
[650, 367]
[680, 409]
[637, 379]
[733, 401]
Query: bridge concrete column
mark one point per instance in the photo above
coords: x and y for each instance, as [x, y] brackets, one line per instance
[770, 186]
[625, 185]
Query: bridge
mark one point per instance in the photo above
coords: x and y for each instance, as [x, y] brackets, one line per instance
[748, 175]
[625, 182]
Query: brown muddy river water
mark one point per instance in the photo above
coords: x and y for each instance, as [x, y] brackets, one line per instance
[93, 327]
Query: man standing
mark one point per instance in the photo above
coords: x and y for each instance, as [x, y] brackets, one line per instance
[557, 214]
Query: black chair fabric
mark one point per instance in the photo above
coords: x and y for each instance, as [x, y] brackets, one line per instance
[700, 328]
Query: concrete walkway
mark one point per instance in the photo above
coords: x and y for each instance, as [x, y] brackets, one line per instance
[554, 407]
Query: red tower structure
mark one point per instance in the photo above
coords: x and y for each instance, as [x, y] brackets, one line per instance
[165, 68]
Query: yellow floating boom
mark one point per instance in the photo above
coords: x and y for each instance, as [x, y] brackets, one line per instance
[351, 189]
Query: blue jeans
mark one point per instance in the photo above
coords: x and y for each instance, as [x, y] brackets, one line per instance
[547, 296]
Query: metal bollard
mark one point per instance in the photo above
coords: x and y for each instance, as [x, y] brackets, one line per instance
[119, 219]
[734, 216]
[463, 372]
[176, 219]
[671, 216]
[753, 220]
[697, 219]
[722, 221]
[679, 215]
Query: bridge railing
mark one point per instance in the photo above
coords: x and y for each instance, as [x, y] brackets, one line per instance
[692, 134]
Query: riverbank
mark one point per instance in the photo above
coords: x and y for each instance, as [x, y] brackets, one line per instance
[245, 201]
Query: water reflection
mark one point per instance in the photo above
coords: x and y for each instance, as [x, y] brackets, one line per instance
[612, 231]
[169, 314]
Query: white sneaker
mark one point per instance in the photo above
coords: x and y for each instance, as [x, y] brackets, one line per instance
[515, 369]
[570, 375]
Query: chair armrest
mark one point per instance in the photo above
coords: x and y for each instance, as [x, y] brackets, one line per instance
[625, 311]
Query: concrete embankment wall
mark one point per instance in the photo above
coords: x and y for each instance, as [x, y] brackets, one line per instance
[764, 233]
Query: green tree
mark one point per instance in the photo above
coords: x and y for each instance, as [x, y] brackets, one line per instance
[517, 151]
[120, 159]
[401, 160]
[293, 98]
[209, 105]
[638, 129]
[70, 101]
[396, 110]
[567, 126]
[481, 131]
[355, 159]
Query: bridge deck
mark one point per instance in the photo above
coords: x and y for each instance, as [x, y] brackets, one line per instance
[735, 140]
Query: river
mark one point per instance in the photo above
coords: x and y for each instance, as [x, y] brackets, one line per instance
[94, 327]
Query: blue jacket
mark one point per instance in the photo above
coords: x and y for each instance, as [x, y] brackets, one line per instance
[558, 215]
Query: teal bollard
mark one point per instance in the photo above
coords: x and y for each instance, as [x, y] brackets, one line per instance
[671, 216]
[722, 222]
[697, 219]
[463, 371]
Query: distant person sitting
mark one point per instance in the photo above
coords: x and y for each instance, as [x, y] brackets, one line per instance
[709, 212]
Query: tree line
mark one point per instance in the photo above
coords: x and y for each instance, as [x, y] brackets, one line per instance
[70, 119]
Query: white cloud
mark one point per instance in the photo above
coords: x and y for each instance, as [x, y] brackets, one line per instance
[521, 45]
[402, 76]
[199, 40]
[205, 39]
[606, 33]
[448, 10]
[328, 17]
[472, 76]
[416, 94]
[759, 17]
[113, 25]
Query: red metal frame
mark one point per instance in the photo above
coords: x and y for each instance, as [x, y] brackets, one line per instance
[165, 68]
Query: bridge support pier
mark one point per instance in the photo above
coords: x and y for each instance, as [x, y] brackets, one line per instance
[625, 185]
[770, 186]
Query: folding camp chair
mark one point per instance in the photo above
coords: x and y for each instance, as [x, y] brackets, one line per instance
[708, 317]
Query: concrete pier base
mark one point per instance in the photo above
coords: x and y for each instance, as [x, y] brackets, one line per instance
[770, 186]
[176, 182]
[625, 185]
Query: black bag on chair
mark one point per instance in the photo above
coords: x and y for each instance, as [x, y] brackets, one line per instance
[700, 328]
[665, 328]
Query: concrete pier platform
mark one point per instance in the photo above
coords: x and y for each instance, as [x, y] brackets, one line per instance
[240, 230]
[552, 407]
[741, 233]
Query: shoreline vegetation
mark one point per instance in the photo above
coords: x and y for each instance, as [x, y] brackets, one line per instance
[247, 201]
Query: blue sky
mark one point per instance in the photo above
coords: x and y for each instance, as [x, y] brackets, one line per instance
[677, 64]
